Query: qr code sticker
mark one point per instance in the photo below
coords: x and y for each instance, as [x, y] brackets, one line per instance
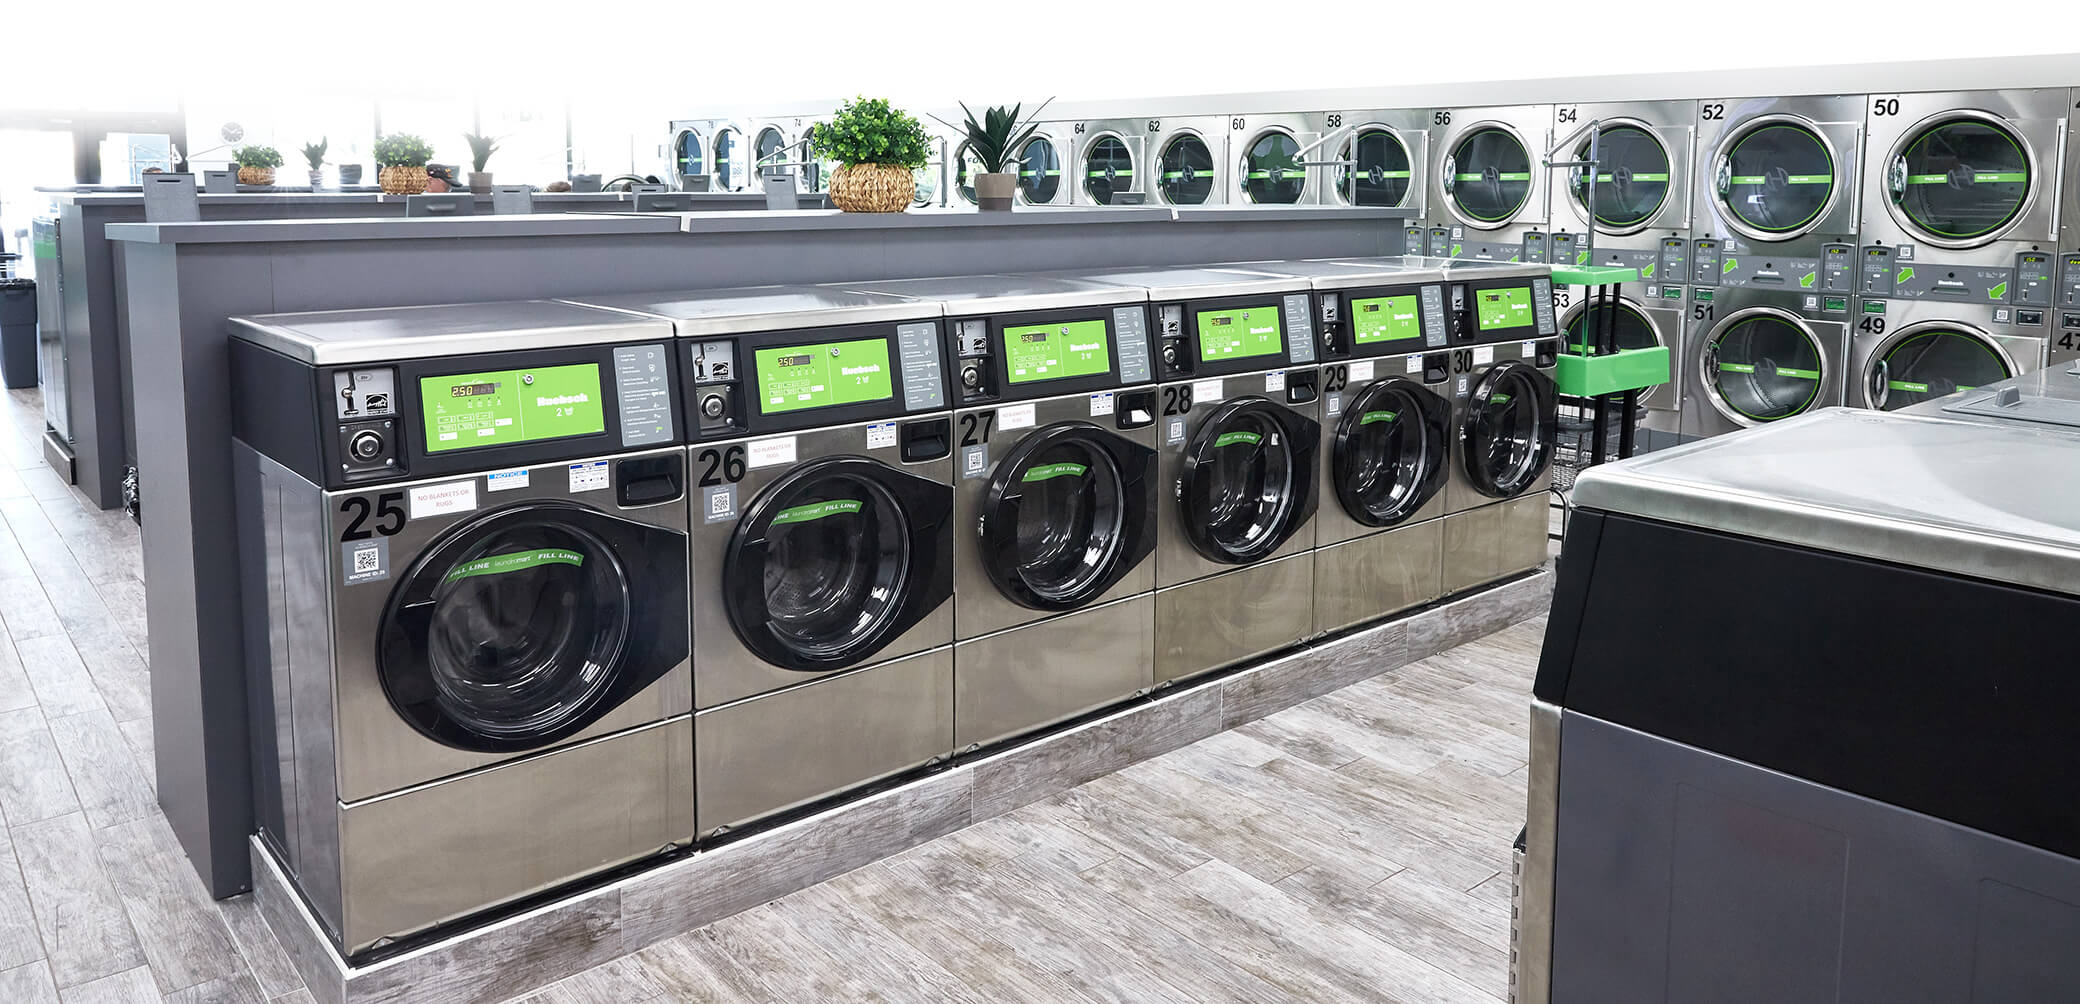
[367, 561]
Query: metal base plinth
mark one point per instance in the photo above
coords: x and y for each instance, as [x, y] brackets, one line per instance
[58, 454]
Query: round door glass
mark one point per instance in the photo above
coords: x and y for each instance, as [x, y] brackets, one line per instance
[1108, 169]
[525, 629]
[1961, 180]
[686, 154]
[1765, 368]
[729, 159]
[1381, 164]
[1248, 483]
[835, 561]
[1070, 519]
[1271, 171]
[1039, 171]
[1383, 454]
[1506, 432]
[1187, 170]
[1778, 179]
[770, 147]
[817, 174]
[965, 168]
[1933, 363]
[1491, 175]
[926, 181]
[1631, 180]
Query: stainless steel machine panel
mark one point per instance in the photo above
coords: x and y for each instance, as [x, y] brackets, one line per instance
[688, 151]
[1046, 171]
[772, 144]
[1111, 159]
[1906, 352]
[1503, 423]
[786, 748]
[1776, 188]
[1031, 676]
[1374, 158]
[1756, 356]
[1966, 178]
[730, 157]
[1494, 542]
[1488, 186]
[1268, 155]
[1379, 574]
[1224, 619]
[1643, 185]
[1188, 156]
[1189, 407]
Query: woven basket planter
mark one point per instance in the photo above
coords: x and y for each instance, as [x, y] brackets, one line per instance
[400, 180]
[872, 188]
[256, 176]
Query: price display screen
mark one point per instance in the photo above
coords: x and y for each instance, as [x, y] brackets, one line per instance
[511, 406]
[1239, 333]
[823, 375]
[1058, 350]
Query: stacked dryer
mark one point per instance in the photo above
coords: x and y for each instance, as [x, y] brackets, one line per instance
[1773, 262]
[1956, 282]
[1488, 196]
[1190, 160]
[1268, 155]
[1375, 158]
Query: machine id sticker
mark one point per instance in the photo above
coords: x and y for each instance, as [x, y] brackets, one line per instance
[881, 435]
[767, 452]
[590, 477]
[1101, 404]
[1362, 370]
[1332, 404]
[1415, 364]
[444, 500]
[1015, 416]
[718, 503]
[1483, 355]
[1529, 349]
[1206, 391]
[975, 461]
[505, 481]
[1173, 432]
[364, 560]
[1274, 382]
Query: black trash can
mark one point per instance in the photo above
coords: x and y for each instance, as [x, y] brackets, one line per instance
[17, 332]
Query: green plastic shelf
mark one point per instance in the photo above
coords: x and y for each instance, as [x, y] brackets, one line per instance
[1595, 376]
[1593, 275]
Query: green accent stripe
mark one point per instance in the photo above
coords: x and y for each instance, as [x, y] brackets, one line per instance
[1795, 179]
[1231, 438]
[1979, 177]
[1378, 416]
[1905, 272]
[1507, 176]
[816, 510]
[1116, 174]
[1601, 178]
[1048, 472]
[498, 564]
[1916, 388]
[1781, 371]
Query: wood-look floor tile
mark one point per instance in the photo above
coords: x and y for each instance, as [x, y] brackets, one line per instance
[28, 984]
[1341, 850]
[132, 986]
[117, 670]
[15, 691]
[257, 944]
[622, 981]
[33, 782]
[59, 678]
[138, 733]
[692, 968]
[1128, 827]
[297, 997]
[27, 612]
[104, 773]
[891, 968]
[20, 943]
[183, 935]
[86, 933]
[239, 989]
[1420, 923]
[892, 894]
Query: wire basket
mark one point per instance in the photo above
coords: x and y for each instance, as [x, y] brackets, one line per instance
[1574, 446]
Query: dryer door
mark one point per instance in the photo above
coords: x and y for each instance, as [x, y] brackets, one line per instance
[1186, 174]
[1960, 181]
[1271, 168]
[1039, 171]
[1777, 178]
[834, 560]
[1248, 481]
[1925, 361]
[1067, 513]
[1389, 452]
[1384, 168]
[1488, 176]
[1507, 437]
[1762, 365]
[523, 626]
[1633, 178]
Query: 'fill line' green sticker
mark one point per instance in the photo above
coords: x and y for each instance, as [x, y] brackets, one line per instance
[1048, 472]
[1378, 416]
[1231, 438]
[816, 511]
[515, 561]
[1916, 388]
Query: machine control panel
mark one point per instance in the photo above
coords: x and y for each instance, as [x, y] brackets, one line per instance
[1875, 272]
[1564, 249]
[1234, 334]
[1440, 244]
[1675, 258]
[366, 405]
[1049, 353]
[1494, 311]
[1704, 257]
[2069, 282]
[1837, 268]
[1534, 249]
[1382, 320]
[787, 379]
[2033, 280]
[643, 375]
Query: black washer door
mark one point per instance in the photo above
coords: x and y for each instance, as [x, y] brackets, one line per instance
[1631, 182]
[1491, 176]
[1961, 180]
[1384, 172]
[1507, 439]
[521, 627]
[1039, 171]
[1389, 451]
[1930, 364]
[1779, 178]
[1069, 511]
[835, 559]
[1248, 481]
[1187, 171]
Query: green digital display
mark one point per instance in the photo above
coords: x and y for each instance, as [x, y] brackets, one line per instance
[823, 375]
[1505, 308]
[1054, 351]
[1239, 333]
[1386, 319]
[469, 410]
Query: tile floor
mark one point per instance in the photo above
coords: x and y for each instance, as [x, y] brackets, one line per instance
[1355, 847]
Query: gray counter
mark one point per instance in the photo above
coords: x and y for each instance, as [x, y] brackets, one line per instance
[183, 280]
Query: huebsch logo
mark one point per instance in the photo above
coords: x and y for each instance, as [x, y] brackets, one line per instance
[860, 370]
[551, 402]
[1092, 347]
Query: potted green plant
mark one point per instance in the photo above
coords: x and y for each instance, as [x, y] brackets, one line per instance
[401, 159]
[314, 154]
[480, 150]
[877, 146]
[995, 141]
[256, 164]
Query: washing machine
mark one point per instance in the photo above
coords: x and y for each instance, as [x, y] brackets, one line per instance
[1960, 212]
[1504, 425]
[1238, 439]
[1488, 184]
[1191, 160]
[1268, 155]
[464, 533]
[823, 541]
[1110, 160]
[1776, 204]
[1756, 355]
[1905, 352]
[1376, 158]
[1056, 498]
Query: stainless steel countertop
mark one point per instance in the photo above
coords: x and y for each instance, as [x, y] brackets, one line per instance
[1335, 274]
[1454, 268]
[1002, 293]
[702, 312]
[335, 337]
[1989, 501]
[1191, 282]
